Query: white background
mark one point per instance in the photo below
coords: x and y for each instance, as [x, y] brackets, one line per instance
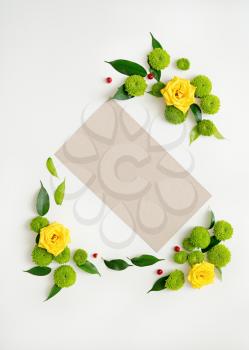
[52, 67]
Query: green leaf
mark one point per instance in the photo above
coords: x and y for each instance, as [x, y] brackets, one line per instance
[59, 193]
[51, 168]
[128, 67]
[89, 268]
[156, 73]
[159, 284]
[42, 201]
[196, 112]
[218, 135]
[213, 242]
[194, 134]
[116, 264]
[37, 238]
[154, 94]
[145, 260]
[219, 272]
[39, 270]
[121, 94]
[155, 43]
[54, 290]
[212, 220]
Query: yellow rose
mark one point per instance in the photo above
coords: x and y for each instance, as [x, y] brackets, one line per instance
[201, 274]
[180, 93]
[54, 238]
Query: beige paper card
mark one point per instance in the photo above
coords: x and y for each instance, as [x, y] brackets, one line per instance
[127, 169]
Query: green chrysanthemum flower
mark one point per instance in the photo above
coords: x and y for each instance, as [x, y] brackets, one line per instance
[38, 223]
[80, 257]
[195, 257]
[183, 63]
[200, 237]
[174, 115]
[156, 88]
[175, 280]
[63, 257]
[186, 243]
[64, 276]
[223, 230]
[203, 85]
[180, 257]
[210, 104]
[219, 255]
[159, 59]
[41, 257]
[135, 85]
[206, 127]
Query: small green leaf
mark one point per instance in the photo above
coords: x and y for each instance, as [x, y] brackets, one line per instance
[145, 260]
[155, 94]
[194, 134]
[159, 284]
[218, 269]
[42, 201]
[54, 290]
[128, 67]
[39, 270]
[212, 220]
[121, 94]
[51, 168]
[196, 112]
[213, 242]
[156, 73]
[218, 135]
[59, 193]
[116, 264]
[89, 268]
[155, 43]
[37, 238]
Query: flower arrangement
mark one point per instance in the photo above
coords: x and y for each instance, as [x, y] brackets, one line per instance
[202, 251]
[180, 95]
[52, 241]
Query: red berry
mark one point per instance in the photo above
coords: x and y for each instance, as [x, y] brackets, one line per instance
[150, 76]
[159, 271]
[108, 80]
[177, 248]
[95, 255]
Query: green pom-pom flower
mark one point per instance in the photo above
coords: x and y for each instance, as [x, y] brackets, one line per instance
[223, 230]
[175, 280]
[80, 257]
[38, 223]
[135, 85]
[183, 63]
[203, 85]
[186, 243]
[156, 88]
[210, 104]
[64, 276]
[63, 257]
[180, 257]
[174, 115]
[159, 59]
[200, 237]
[41, 257]
[206, 127]
[195, 257]
[219, 255]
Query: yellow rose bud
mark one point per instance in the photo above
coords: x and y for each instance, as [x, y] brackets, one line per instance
[179, 93]
[54, 238]
[201, 274]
